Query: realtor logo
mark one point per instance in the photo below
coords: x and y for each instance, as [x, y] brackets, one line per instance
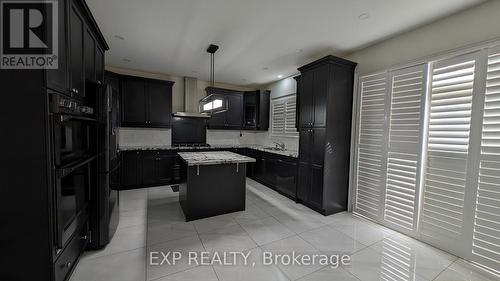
[29, 34]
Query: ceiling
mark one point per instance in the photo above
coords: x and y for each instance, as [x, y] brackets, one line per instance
[258, 39]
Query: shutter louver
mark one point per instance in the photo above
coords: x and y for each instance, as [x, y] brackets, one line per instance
[402, 188]
[486, 237]
[448, 150]
[371, 146]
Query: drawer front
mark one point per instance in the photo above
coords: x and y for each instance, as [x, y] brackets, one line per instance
[66, 261]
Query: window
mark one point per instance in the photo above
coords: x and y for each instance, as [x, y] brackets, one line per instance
[427, 150]
[283, 116]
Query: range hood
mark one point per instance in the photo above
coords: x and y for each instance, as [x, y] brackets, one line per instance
[191, 99]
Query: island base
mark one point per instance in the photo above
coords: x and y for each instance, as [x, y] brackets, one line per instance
[212, 190]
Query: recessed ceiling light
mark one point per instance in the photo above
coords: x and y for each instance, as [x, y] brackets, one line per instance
[265, 68]
[364, 16]
[119, 37]
[126, 60]
[280, 76]
[300, 51]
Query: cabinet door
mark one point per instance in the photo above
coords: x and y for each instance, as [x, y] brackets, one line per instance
[264, 103]
[270, 171]
[303, 182]
[89, 55]
[316, 191]
[286, 176]
[130, 168]
[149, 167]
[306, 106]
[320, 88]
[317, 146]
[159, 103]
[99, 64]
[57, 79]
[305, 142]
[76, 47]
[217, 121]
[133, 102]
[166, 167]
[234, 114]
[259, 167]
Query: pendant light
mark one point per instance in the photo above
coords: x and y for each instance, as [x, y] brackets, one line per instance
[213, 103]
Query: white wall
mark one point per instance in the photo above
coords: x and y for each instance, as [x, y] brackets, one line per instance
[478, 24]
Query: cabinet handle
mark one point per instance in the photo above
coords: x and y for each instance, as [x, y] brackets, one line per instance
[84, 237]
[67, 265]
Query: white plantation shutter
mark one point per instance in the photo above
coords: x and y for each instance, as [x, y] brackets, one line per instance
[283, 112]
[427, 157]
[448, 139]
[370, 170]
[403, 158]
[290, 111]
[486, 234]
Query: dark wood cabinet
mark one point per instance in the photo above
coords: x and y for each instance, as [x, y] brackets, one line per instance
[99, 65]
[39, 196]
[146, 102]
[286, 177]
[149, 160]
[256, 110]
[167, 166]
[130, 169]
[325, 90]
[57, 79]
[232, 118]
[89, 56]
[275, 171]
[133, 102]
[234, 114]
[246, 110]
[306, 106]
[159, 108]
[149, 168]
[76, 63]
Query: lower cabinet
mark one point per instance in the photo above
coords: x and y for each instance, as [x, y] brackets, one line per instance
[310, 185]
[149, 168]
[275, 171]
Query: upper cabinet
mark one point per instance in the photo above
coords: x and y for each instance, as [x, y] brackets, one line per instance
[232, 118]
[76, 69]
[146, 102]
[81, 48]
[246, 110]
[256, 110]
[57, 79]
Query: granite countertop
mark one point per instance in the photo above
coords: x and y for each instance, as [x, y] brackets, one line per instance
[290, 153]
[213, 158]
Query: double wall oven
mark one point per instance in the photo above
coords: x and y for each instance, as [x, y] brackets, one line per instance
[73, 134]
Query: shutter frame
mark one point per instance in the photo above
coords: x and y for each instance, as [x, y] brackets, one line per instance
[409, 87]
[367, 193]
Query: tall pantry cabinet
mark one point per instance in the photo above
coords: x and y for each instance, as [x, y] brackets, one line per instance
[324, 124]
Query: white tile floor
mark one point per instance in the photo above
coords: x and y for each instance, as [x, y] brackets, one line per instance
[152, 220]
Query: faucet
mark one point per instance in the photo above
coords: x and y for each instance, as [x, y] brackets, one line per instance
[279, 145]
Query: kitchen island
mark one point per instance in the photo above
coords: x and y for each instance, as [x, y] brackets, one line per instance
[214, 185]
